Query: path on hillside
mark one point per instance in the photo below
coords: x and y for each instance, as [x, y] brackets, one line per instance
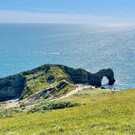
[78, 88]
[15, 102]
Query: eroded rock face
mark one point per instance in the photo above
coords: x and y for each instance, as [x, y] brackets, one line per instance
[84, 77]
[96, 79]
[11, 87]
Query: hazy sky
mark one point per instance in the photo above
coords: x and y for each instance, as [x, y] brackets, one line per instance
[67, 11]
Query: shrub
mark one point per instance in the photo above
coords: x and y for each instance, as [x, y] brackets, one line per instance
[50, 105]
[8, 112]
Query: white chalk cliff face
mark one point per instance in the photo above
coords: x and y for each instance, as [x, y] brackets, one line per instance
[17, 85]
[11, 86]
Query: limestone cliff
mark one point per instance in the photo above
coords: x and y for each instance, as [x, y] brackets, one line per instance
[11, 86]
[26, 83]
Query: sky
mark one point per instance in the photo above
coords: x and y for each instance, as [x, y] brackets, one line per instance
[68, 11]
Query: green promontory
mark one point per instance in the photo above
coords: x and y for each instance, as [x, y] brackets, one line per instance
[49, 80]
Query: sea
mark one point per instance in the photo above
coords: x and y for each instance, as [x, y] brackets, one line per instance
[92, 47]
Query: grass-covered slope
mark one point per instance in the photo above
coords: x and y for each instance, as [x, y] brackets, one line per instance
[101, 113]
[43, 77]
[50, 75]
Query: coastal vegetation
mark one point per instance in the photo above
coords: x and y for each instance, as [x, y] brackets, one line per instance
[41, 78]
[8, 112]
[40, 108]
[101, 112]
[51, 105]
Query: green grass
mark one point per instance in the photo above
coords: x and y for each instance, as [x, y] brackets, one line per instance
[101, 113]
[61, 89]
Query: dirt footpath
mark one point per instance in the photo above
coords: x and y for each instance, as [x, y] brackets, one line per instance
[78, 88]
[11, 103]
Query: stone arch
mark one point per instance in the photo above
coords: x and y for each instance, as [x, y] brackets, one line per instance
[96, 79]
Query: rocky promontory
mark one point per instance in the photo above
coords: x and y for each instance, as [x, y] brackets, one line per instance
[58, 77]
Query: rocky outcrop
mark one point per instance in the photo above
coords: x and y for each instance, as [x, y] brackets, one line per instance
[84, 77]
[29, 82]
[11, 87]
[96, 79]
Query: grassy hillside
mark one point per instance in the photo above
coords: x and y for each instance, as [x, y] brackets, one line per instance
[43, 77]
[101, 113]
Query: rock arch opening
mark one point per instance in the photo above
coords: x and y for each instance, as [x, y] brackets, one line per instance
[104, 81]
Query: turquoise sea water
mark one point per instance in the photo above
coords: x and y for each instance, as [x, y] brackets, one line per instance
[26, 46]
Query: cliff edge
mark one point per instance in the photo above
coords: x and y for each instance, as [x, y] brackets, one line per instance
[58, 77]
